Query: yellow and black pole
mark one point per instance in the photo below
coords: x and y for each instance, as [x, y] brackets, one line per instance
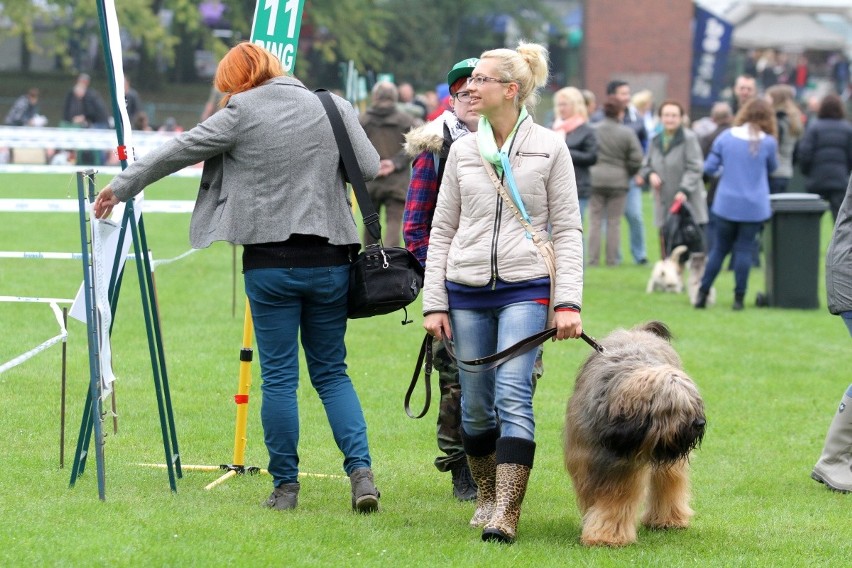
[242, 396]
[241, 399]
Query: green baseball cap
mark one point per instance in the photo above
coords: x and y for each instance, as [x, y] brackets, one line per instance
[463, 68]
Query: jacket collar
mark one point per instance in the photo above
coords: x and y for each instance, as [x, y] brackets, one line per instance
[678, 138]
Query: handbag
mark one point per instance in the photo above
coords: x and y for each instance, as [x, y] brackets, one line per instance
[545, 247]
[381, 279]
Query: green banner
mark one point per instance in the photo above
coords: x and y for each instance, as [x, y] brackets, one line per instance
[276, 28]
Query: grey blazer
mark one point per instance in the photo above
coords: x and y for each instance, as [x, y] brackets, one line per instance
[270, 168]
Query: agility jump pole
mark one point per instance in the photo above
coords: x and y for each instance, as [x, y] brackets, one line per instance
[241, 399]
[237, 466]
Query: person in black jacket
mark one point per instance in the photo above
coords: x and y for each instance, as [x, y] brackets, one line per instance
[572, 120]
[825, 153]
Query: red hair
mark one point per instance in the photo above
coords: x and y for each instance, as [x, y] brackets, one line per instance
[245, 67]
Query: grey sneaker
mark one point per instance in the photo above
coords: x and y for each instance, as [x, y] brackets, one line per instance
[285, 496]
[365, 496]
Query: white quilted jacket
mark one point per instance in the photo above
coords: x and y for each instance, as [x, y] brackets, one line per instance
[475, 238]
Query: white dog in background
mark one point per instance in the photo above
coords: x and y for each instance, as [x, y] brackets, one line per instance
[667, 274]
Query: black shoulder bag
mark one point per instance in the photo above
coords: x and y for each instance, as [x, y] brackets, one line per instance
[381, 280]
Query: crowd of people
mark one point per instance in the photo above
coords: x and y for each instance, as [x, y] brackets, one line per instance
[472, 185]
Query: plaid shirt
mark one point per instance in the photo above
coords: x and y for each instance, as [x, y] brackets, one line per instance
[420, 205]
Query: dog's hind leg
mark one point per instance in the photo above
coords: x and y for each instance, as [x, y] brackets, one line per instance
[668, 497]
[611, 520]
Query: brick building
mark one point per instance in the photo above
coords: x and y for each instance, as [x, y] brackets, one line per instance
[647, 43]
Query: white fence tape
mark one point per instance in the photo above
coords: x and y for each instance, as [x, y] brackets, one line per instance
[63, 333]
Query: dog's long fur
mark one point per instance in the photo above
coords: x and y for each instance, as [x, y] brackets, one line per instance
[631, 423]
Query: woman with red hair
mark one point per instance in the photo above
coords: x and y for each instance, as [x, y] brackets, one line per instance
[271, 183]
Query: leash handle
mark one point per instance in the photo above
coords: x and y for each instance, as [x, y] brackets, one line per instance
[425, 356]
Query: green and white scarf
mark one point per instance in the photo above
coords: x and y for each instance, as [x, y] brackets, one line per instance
[500, 157]
[488, 145]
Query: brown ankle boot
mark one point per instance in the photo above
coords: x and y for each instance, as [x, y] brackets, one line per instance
[365, 496]
[514, 463]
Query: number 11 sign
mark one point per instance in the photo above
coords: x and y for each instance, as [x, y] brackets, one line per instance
[276, 28]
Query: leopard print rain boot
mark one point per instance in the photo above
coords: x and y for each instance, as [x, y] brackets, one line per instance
[482, 459]
[514, 463]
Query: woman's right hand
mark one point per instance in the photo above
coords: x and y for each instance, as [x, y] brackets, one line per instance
[104, 202]
[655, 180]
[437, 324]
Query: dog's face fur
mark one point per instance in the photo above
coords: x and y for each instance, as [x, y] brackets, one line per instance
[646, 406]
[667, 274]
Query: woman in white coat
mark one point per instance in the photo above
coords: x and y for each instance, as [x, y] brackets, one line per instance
[488, 285]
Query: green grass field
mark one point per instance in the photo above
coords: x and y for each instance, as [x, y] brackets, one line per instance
[771, 379]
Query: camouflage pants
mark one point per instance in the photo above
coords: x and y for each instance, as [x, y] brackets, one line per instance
[449, 411]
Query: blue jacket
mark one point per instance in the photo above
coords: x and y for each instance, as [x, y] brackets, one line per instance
[743, 191]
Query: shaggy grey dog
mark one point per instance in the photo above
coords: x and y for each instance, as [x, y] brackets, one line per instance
[633, 420]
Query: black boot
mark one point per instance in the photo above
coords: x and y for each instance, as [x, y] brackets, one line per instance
[464, 487]
[701, 298]
[738, 302]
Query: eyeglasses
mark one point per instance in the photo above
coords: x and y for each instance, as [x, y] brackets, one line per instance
[463, 96]
[482, 79]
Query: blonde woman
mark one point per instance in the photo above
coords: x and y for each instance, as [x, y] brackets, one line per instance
[488, 286]
[789, 121]
[572, 120]
[643, 102]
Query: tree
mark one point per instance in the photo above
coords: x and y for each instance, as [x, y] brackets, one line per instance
[417, 41]
[429, 37]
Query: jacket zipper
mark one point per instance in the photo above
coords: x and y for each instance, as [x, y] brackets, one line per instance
[531, 154]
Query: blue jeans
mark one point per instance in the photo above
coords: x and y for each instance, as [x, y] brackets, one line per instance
[584, 203]
[504, 393]
[731, 236]
[633, 214]
[311, 302]
[847, 319]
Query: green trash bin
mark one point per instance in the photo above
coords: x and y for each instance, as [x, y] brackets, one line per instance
[791, 246]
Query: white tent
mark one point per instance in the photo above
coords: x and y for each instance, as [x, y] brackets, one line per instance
[790, 31]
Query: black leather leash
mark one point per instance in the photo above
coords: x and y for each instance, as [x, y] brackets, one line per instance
[479, 365]
[424, 356]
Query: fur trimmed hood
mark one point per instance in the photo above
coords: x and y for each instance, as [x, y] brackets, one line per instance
[429, 137]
